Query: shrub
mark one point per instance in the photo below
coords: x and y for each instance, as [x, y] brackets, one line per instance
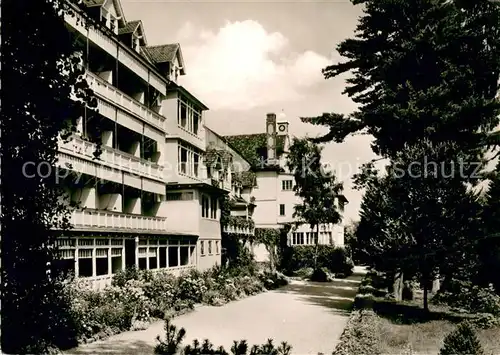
[360, 335]
[320, 275]
[121, 277]
[191, 286]
[335, 259]
[469, 297]
[462, 341]
[486, 320]
[173, 340]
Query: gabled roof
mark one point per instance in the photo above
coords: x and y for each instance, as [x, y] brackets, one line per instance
[253, 147]
[116, 3]
[131, 27]
[91, 3]
[166, 53]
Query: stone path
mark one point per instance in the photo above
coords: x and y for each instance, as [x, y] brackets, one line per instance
[309, 316]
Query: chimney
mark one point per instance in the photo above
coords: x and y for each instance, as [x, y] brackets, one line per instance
[271, 138]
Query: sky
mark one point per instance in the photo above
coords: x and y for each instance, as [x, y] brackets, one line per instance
[246, 59]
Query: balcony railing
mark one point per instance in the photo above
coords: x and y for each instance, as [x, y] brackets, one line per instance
[112, 158]
[239, 230]
[115, 220]
[108, 91]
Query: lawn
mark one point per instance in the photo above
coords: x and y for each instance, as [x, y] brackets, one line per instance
[405, 328]
[427, 337]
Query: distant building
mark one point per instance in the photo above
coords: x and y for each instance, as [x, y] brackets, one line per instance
[274, 195]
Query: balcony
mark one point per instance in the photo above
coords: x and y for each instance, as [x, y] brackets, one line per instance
[116, 49]
[107, 91]
[115, 220]
[239, 230]
[112, 158]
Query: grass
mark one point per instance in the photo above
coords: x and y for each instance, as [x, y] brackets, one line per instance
[427, 338]
[405, 325]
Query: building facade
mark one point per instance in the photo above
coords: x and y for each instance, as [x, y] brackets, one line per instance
[274, 195]
[149, 200]
[243, 181]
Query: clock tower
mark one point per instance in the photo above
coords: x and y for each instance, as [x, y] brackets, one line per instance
[271, 139]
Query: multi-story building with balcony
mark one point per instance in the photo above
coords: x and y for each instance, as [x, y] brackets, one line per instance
[147, 200]
[243, 180]
[274, 195]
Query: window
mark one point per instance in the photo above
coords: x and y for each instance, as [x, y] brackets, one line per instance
[217, 247]
[196, 164]
[202, 247]
[189, 160]
[213, 208]
[205, 206]
[189, 117]
[209, 247]
[173, 256]
[184, 251]
[287, 185]
[183, 115]
[183, 160]
[282, 210]
[180, 196]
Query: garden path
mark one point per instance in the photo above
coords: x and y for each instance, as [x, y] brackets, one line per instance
[309, 316]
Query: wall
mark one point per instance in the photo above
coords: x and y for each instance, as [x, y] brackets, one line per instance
[239, 164]
[183, 216]
[265, 215]
[286, 197]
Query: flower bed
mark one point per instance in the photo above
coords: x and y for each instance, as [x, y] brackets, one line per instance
[138, 297]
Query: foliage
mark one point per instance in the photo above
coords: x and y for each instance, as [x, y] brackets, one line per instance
[467, 296]
[241, 222]
[334, 259]
[41, 70]
[489, 247]
[316, 187]
[138, 296]
[407, 62]
[173, 340]
[272, 240]
[414, 77]
[462, 341]
[420, 222]
[360, 335]
[350, 241]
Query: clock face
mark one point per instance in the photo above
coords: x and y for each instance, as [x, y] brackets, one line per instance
[282, 128]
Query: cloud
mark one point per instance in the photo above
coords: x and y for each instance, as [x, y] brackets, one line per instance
[243, 66]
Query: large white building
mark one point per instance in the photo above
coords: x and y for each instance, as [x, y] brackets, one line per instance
[149, 200]
[274, 195]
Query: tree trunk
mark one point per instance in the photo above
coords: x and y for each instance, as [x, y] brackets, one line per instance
[436, 284]
[316, 248]
[398, 286]
[426, 293]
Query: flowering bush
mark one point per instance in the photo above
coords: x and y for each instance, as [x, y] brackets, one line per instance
[135, 297]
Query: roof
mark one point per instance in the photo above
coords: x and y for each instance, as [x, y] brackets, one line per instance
[163, 53]
[130, 27]
[93, 2]
[216, 155]
[253, 147]
[247, 178]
